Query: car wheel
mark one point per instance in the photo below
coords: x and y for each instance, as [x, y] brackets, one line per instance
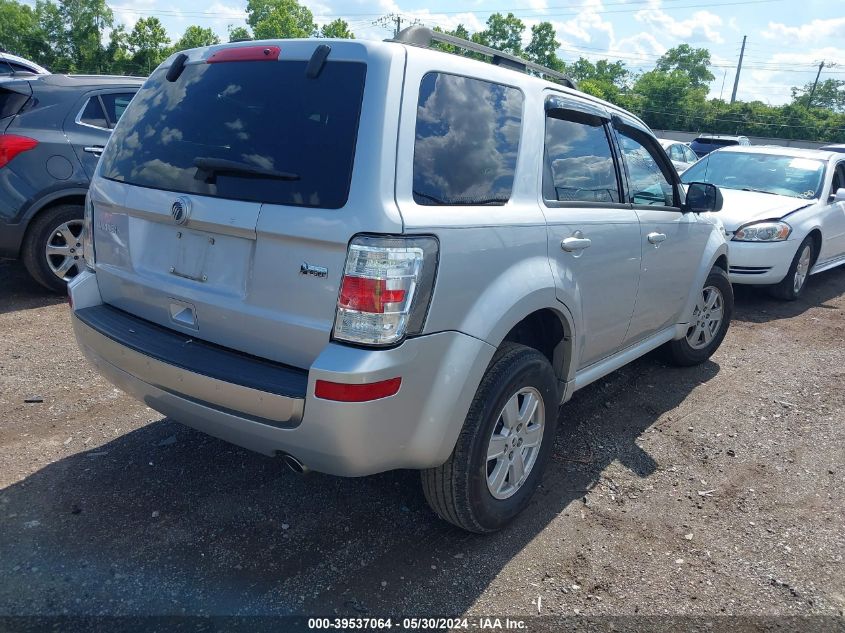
[52, 252]
[709, 323]
[503, 447]
[792, 286]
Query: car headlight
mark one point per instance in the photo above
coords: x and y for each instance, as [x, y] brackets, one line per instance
[763, 232]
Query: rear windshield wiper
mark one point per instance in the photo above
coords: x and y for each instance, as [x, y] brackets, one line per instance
[210, 168]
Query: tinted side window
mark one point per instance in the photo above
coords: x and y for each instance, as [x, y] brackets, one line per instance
[93, 114]
[689, 155]
[647, 182]
[838, 178]
[115, 104]
[676, 153]
[467, 140]
[579, 162]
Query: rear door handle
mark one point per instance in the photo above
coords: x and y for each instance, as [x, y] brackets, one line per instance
[94, 149]
[572, 244]
[656, 238]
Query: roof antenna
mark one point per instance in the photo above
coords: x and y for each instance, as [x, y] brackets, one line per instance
[317, 61]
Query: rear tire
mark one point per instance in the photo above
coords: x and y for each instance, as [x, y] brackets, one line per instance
[472, 490]
[60, 229]
[792, 286]
[705, 335]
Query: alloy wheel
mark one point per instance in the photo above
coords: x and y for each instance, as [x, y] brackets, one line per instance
[64, 250]
[515, 442]
[802, 269]
[706, 318]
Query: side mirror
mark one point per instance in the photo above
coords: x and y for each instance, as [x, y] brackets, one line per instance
[839, 196]
[703, 197]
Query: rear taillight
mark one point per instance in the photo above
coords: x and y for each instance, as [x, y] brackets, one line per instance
[386, 288]
[11, 145]
[88, 233]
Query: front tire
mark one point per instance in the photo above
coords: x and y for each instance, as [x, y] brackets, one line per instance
[709, 324]
[792, 286]
[504, 445]
[52, 252]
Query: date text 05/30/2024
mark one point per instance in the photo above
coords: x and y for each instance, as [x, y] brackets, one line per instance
[415, 624]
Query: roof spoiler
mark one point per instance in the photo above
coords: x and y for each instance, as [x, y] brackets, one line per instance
[423, 36]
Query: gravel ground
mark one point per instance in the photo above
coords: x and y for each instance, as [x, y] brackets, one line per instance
[705, 491]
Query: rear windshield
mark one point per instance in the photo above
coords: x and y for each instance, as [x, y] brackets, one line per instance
[721, 142]
[256, 131]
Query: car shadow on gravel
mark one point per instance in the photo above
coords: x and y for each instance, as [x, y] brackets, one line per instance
[165, 520]
[19, 291]
[755, 305]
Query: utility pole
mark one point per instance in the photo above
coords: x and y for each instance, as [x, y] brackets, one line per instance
[738, 68]
[391, 20]
[815, 83]
[722, 91]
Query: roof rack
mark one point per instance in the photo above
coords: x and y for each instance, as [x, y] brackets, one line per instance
[423, 36]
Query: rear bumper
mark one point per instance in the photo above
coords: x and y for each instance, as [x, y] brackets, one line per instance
[416, 428]
[760, 263]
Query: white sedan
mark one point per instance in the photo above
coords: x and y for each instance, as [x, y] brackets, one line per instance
[783, 212]
[680, 154]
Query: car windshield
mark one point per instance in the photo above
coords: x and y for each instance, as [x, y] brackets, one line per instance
[794, 176]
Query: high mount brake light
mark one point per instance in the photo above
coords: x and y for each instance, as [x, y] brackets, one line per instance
[11, 145]
[386, 288]
[246, 54]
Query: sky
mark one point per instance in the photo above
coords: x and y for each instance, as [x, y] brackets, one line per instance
[786, 39]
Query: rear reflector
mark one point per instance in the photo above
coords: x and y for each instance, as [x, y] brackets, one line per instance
[343, 392]
[11, 145]
[246, 54]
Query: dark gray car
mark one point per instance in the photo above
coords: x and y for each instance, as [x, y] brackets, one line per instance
[52, 131]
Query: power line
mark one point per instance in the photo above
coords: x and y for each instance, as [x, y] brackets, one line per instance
[515, 10]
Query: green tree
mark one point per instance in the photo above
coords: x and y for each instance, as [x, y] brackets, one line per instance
[239, 33]
[19, 29]
[73, 32]
[504, 33]
[666, 98]
[272, 19]
[604, 79]
[117, 51]
[196, 36]
[148, 42]
[337, 29]
[829, 94]
[693, 62]
[462, 33]
[543, 46]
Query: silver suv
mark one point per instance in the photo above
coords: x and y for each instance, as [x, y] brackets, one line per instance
[364, 256]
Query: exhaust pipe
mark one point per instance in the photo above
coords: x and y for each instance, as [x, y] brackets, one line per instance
[294, 464]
